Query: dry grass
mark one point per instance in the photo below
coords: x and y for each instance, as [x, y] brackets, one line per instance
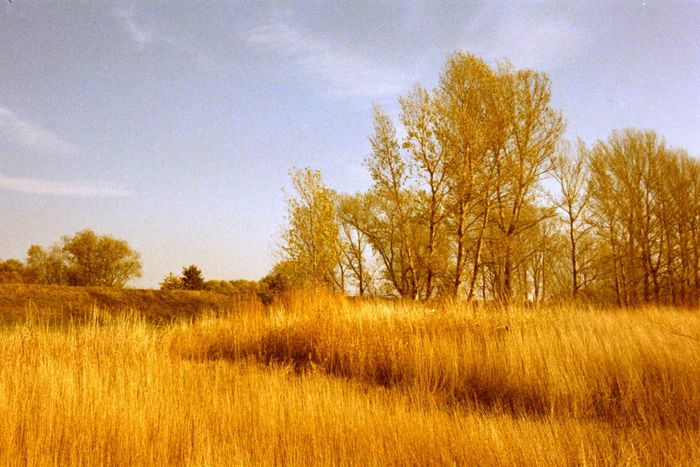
[321, 380]
[58, 305]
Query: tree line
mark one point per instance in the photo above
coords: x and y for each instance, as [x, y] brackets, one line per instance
[482, 198]
[84, 259]
[90, 260]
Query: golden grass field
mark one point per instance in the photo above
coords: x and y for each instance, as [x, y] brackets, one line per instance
[321, 380]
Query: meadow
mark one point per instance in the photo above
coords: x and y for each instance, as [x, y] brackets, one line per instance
[318, 379]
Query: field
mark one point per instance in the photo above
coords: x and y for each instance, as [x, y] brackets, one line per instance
[317, 379]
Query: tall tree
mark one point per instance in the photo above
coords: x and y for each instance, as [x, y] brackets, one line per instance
[471, 132]
[456, 206]
[571, 173]
[645, 207]
[310, 242]
[419, 118]
[394, 228]
[534, 129]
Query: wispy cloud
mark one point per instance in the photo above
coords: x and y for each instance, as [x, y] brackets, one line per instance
[62, 188]
[144, 34]
[528, 36]
[37, 139]
[138, 32]
[344, 73]
[31, 136]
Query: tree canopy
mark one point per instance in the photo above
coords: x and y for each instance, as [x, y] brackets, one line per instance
[84, 259]
[310, 243]
[479, 196]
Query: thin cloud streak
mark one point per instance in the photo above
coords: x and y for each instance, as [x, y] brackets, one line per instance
[30, 136]
[527, 36]
[60, 188]
[342, 72]
[138, 32]
[144, 34]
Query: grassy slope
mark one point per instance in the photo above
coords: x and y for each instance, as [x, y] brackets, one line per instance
[62, 303]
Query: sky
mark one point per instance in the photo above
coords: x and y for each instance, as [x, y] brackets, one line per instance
[174, 125]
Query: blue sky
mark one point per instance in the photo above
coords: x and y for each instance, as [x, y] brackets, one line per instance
[173, 125]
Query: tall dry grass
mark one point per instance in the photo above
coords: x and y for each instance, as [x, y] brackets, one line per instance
[322, 380]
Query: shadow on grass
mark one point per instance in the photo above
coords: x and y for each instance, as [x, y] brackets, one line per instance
[650, 395]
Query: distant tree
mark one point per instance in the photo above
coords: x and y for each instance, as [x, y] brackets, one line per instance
[192, 278]
[47, 266]
[85, 259]
[243, 286]
[12, 271]
[94, 260]
[171, 282]
[276, 283]
[218, 286]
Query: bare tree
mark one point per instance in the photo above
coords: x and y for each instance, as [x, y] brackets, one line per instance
[571, 173]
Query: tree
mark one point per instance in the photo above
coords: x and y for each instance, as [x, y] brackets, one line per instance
[192, 278]
[171, 282]
[310, 242]
[419, 117]
[476, 149]
[472, 133]
[12, 272]
[456, 204]
[47, 267]
[571, 173]
[645, 206]
[84, 259]
[276, 283]
[354, 242]
[240, 287]
[392, 227]
[533, 131]
[93, 260]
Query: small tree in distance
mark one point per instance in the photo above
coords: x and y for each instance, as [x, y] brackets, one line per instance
[171, 282]
[192, 278]
[277, 283]
[12, 271]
